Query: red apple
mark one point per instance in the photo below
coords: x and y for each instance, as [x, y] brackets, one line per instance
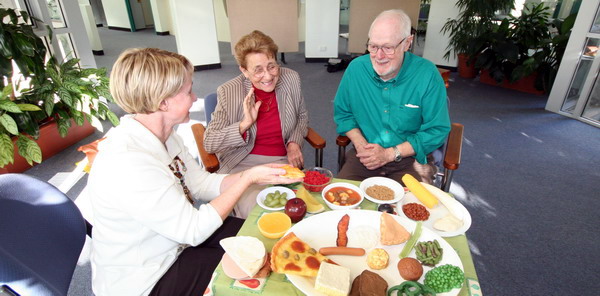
[295, 208]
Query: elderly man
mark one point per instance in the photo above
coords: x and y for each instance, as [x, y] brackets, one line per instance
[392, 105]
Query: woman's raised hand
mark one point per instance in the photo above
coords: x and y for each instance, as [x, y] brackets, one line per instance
[250, 111]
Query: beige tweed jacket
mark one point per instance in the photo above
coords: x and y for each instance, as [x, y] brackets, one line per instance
[223, 136]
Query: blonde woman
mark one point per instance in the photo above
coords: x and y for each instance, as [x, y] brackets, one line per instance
[148, 237]
[260, 116]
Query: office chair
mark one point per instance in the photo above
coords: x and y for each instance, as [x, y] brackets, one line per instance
[210, 160]
[447, 157]
[42, 234]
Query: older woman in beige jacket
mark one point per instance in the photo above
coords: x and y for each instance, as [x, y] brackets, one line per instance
[260, 115]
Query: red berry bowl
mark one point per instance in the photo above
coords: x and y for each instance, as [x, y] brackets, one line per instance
[316, 179]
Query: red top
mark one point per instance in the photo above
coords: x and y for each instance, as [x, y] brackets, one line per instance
[269, 137]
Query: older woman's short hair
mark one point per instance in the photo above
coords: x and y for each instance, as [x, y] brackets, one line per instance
[142, 78]
[255, 42]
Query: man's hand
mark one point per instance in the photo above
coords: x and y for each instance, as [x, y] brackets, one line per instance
[294, 155]
[250, 111]
[373, 156]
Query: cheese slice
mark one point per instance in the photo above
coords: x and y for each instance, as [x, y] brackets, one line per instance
[392, 233]
[246, 251]
[448, 223]
[333, 280]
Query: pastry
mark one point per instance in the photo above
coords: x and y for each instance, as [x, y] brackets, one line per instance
[378, 258]
[333, 280]
[292, 172]
[291, 255]
[368, 283]
[392, 233]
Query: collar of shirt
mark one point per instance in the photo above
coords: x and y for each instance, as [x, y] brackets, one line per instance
[148, 141]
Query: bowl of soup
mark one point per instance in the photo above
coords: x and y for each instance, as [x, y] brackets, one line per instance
[342, 196]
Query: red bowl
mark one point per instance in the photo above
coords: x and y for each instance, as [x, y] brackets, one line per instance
[317, 187]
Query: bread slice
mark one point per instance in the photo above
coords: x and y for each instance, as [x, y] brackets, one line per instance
[392, 233]
[292, 172]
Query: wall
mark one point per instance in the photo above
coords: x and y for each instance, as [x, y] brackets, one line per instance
[322, 28]
[161, 12]
[196, 32]
[115, 12]
[435, 42]
[224, 31]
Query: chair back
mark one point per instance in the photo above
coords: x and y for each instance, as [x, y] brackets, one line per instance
[210, 103]
[42, 234]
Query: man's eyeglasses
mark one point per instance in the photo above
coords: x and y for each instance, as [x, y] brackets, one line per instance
[387, 49]
[259, 72]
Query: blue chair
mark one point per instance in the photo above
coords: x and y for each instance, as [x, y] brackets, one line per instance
[42, 234]
[211, 162]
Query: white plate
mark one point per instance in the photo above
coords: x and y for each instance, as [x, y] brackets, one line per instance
[263, 194]
[321, 231]
[439, 211]
[387, 182]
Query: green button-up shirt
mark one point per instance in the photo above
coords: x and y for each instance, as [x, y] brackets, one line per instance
[411, 107]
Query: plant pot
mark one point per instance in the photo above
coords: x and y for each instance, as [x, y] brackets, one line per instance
[50, 143]
[525, 84]
[466, 70]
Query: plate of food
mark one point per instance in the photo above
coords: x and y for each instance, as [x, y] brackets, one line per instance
[382, 190]
[274, 198]
[447, 218]
[369, 238]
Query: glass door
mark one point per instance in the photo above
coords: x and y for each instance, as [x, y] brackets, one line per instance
[576, 91]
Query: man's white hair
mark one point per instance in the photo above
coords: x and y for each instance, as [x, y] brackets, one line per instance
[401, 16]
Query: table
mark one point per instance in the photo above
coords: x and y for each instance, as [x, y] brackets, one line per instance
[278, 284]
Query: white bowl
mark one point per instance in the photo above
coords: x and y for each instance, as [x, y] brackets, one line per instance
[387, 182]
[345, 185]
[260, 198]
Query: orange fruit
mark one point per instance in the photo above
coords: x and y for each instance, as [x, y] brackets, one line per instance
[274, 225]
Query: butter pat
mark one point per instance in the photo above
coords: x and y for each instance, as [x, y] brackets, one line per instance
[333, 280]
[448, 223]
[426, 197]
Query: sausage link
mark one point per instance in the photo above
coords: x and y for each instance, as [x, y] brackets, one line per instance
[342, 251]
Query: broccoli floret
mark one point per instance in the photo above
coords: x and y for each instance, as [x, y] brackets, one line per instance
[444, 278]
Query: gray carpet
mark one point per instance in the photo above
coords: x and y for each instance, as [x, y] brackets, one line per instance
[530, 178]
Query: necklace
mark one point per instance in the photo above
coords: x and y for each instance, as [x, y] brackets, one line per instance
[268, 103]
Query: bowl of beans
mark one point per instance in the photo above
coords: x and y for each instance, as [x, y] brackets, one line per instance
[315, 179]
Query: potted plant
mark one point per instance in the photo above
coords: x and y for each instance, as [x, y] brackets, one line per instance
[476, 18]
[38, 91]
[522, 53]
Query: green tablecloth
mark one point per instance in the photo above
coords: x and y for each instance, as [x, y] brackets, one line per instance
[278, 284]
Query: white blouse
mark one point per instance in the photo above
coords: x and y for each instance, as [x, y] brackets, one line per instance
[142, 219]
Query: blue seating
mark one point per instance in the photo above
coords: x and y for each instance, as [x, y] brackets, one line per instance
[42, 234]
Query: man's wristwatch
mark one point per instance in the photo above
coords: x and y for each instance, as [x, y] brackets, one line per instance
[398, 156]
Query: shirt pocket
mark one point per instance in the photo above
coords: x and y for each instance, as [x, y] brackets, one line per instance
[406, 118]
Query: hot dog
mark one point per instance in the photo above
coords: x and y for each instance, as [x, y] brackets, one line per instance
[342, 251]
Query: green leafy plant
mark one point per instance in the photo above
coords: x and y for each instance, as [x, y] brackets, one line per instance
[521, 46]
[476, 18]
[36, 89]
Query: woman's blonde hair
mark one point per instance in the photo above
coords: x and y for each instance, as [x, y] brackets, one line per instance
[142, 78]
[255, 42]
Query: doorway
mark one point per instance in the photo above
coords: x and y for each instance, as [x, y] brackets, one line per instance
[579, 98]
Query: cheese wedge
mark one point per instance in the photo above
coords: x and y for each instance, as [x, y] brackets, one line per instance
[391, 232]
[426, 197]
[246, 251]
[333, 280]
[312, 205]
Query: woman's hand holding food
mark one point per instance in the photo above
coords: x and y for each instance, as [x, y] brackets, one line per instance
[294, 155]
[250, 111]
[268, 174]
